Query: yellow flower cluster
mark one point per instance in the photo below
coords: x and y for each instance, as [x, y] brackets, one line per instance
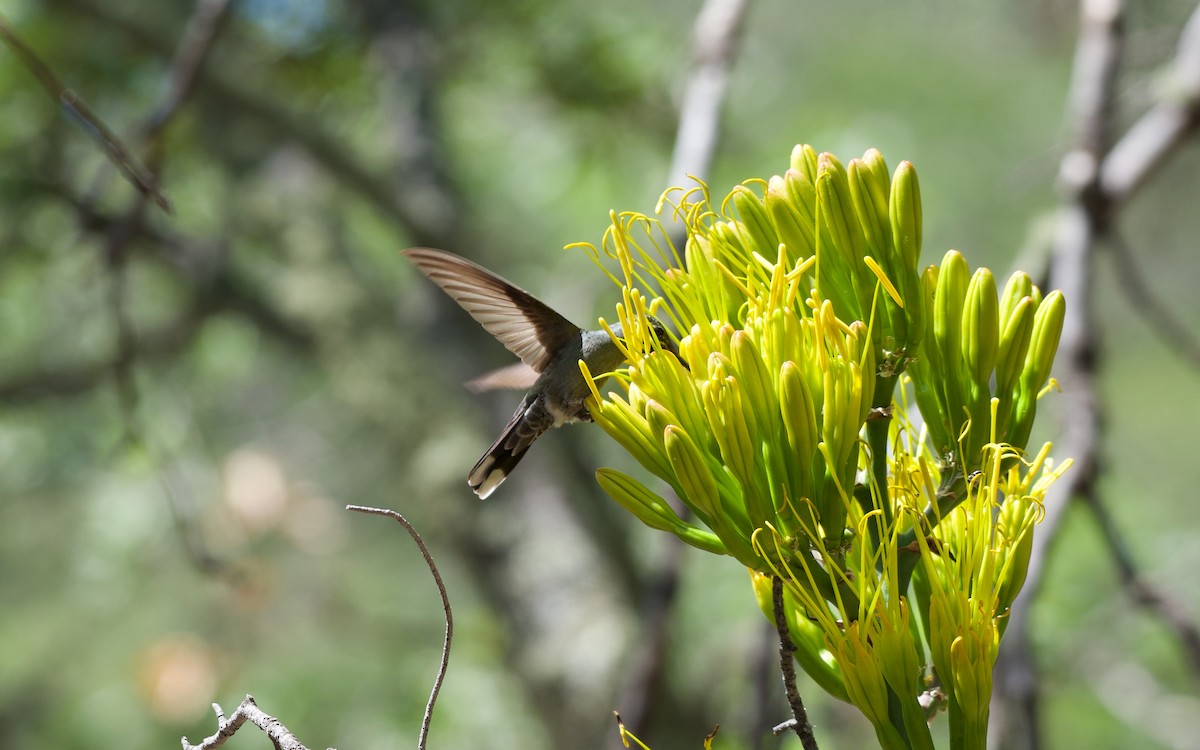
[784, 425]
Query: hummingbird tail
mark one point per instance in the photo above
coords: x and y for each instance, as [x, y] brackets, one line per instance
[527, 424]
[493, 468]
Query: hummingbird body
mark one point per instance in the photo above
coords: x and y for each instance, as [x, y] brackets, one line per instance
[549, 345]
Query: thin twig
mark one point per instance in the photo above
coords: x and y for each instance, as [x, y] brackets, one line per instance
[799, 723]
[441, 587]
[1143, 593]
[193, 48]
[403, 207]
[1179, 339]
[120, 155]
[280, 736]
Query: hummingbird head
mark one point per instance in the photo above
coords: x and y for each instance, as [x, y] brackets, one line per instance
[660, 332]
[664, 339]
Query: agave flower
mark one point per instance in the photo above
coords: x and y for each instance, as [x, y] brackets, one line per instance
[786, 425]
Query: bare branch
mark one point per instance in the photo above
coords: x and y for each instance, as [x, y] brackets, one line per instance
[1153, 599]
[192, 48]
[799, 721]
[197, 40]
[1178, 337]
[1151, 139]
[403, 207]
[118, 153]
[714, 45]
[282, 738]
[225, 292]
[1081, 220]
[642, 691]
[437, 578]
[79, 378]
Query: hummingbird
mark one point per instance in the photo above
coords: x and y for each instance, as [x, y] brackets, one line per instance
[549, 345]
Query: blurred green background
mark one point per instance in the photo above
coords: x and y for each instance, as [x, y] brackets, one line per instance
[171, 487]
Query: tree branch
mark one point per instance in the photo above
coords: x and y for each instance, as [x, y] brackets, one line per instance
[1141, 591]
[114, 148]
[198, 38]
[714, 50]
[1162, 321]
[280, 735]
[403, 208]
[1162, 129]
[1081, 219]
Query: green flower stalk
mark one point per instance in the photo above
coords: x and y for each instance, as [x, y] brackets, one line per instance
[808, 338]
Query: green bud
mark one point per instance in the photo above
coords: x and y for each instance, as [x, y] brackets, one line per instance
[904, 209]
[804, 161]
[1016, 567]
[1019, 287]
[757, 224]
[972, 657]
[731, 236]
[870, 203]
[1014, 345]
[799, 422]
[833, 189]
[659, 418]
[756, 384]
[925, 369]
[691, 470]
[653, 511]
[980, 328]
[1047, 328]
[874, 161]
[953, 280]
[716, 394]
[794, 229]
[633, 432]
[801, 194]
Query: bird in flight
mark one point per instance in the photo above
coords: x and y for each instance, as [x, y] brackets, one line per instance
[549, 345]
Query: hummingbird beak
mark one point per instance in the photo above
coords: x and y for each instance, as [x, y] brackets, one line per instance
[666, 342]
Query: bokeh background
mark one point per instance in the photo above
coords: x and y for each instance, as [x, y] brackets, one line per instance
[187, 402]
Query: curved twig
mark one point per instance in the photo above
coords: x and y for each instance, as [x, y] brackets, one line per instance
[437, 578]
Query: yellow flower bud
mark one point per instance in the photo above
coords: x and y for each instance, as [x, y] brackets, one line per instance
[904, 209]
[1014, 345]
[1047, 328]
[793, 231]
[755, 220]
[980, 328]
[804, 160]
[653, 511]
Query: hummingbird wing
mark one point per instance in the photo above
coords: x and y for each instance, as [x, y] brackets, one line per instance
[525, 325]
[517, 376]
